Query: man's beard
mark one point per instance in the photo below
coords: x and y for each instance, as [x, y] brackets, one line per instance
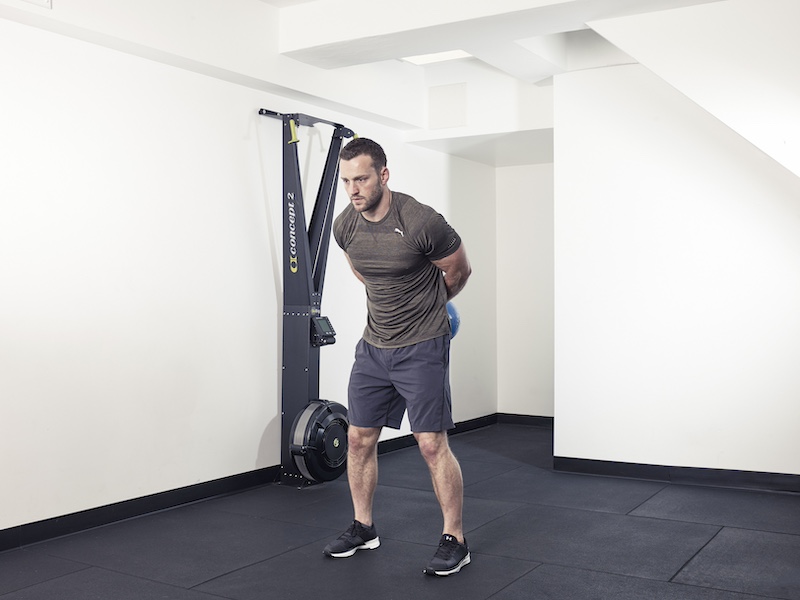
[373, 200]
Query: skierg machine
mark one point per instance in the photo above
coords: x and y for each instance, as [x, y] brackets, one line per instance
[313, 431]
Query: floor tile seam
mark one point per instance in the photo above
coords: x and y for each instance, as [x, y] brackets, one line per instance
[512, 465]
[564, 565]
[281, 520]
[724, 589]
[509, 467]
[389, 486]
[669, 582]
[614, 573]
[780, 533]
[643, 502]
[541, 562]
[50, 554]
[720, 525]
[755, 491]
[491, 477]
[106, 570]
[468, 531]
[254, 563]
[430, 490]
[510, 583]
[169, 584]
[192, 586]
[524, 504]
[49, 579]
[608, 478]
[695, 555]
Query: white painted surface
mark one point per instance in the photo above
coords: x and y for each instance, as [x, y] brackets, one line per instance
[676, 282]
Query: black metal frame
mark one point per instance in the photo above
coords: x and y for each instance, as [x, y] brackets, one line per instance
[305, 254]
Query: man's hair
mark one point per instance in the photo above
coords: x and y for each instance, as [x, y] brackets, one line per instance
[360, 146]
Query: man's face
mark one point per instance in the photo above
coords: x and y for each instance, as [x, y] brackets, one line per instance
[363, 184]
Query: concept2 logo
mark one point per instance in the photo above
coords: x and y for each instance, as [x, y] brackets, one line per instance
[293, 265]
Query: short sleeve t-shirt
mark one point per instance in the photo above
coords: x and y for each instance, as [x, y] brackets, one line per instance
[406, 294]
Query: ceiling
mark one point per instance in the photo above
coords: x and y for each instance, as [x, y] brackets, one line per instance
[529, 41]
[282, 3]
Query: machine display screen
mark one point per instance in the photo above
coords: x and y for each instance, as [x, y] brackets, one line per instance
[324, 325]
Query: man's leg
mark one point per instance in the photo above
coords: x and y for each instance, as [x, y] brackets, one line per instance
[362, 470]
[447, 481]
[362, 474]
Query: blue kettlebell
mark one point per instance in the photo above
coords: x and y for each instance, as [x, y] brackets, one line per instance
[455, 319]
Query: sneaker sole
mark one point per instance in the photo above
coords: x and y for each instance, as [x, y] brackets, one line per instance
[369, 545]
[464, 562]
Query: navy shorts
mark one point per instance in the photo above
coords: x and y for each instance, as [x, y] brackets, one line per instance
[385, 382]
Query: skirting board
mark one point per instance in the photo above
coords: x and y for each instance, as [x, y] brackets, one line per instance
[775, 482]
[16, 537]
[407, 441]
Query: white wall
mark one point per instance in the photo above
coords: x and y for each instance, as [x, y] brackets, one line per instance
[137, 306]
[473, 366]
[677, 253]
[139, 255]
[525, 290]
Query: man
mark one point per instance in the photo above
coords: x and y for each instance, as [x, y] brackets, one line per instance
[411, 263]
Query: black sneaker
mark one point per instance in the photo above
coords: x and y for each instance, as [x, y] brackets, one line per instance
[450, 557]
[357, 537]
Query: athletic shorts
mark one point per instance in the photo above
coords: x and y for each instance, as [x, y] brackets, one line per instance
[385, 382]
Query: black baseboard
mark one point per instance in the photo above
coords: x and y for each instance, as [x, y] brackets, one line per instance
[407, 441]
[775, 482]
[511, 419]
[31, 533]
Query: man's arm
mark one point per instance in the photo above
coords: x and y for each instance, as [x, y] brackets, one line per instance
[456, 270]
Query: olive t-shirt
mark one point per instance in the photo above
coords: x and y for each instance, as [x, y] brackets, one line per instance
[406, 295]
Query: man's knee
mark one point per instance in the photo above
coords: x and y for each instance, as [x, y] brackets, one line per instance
[362, 441]
[432, 445]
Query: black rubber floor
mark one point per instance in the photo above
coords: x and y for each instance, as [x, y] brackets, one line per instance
[533, 533]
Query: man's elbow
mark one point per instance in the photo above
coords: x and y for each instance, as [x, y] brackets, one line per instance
[465, 271]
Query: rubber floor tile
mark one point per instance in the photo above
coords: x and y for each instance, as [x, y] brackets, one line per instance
[512, 444]
[745, 509]
[596, 541]
[183, 547]
[22, 568]
[403, 514]
[273, 499]
[552, 582]
[753, 562]
[99, 584]
[537, 486]
[394, 571]
[407, 468]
